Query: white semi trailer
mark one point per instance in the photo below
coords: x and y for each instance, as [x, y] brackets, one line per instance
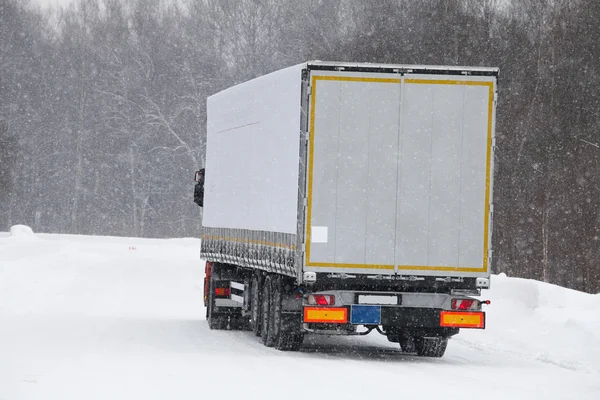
[341, 198]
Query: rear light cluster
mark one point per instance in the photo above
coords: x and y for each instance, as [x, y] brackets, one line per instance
[222, 292]
[466, 304]
[321, 299]
[207, 273]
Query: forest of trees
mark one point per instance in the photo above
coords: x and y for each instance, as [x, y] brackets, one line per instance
[102, 107]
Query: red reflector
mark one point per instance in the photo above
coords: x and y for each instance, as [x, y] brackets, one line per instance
[321, 299]
[222, 291]
[465, 304]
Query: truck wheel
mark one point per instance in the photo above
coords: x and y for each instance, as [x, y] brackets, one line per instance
[431, 346]
[289, 341]
[404, 339]
[239, 323]
[266, 317]
[217, 323]
[214, 321]
[256, 306]
[284, 327]
[407, 345]
[393, 338]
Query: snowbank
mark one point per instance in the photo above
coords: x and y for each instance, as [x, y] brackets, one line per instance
[537, 320]
[21, 231]
[93, 317]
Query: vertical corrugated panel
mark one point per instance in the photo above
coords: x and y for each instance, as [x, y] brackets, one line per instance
[324, 184]
[472, 207]
[441, 201]
[352, 173]
[383, 171]
[415, 176]
[445, 175]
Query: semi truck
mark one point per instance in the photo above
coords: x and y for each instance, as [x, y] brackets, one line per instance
[345, 198]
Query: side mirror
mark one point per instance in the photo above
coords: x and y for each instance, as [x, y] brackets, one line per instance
[198, 176]
[199, 188]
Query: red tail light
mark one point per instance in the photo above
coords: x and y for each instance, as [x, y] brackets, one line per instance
[207, 272]
[465, 304]
[321, 299]
[222, 292]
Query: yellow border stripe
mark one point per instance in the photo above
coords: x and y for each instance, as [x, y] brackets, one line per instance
[448, 82]
[488, 169]
[489, 84]
[391, 267]
[354, 79]
[260, 242]
[341, 265]
[311, 152]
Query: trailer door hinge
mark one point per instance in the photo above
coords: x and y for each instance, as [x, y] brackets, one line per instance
[309, 90]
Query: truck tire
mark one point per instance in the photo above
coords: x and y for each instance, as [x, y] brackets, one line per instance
[404, 339]
[407, 344]
[431, 346]
[215, 322]
[290, 342]
[285, 332]
[239, 323]
[266, 317]
[256, 306]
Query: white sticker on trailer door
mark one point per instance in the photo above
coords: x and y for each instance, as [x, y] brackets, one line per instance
[318, 234]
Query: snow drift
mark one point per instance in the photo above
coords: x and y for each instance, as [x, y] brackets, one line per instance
[105, 317]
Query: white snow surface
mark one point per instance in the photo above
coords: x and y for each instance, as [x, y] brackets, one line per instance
[86, 317]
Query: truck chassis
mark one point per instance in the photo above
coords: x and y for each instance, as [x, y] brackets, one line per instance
[282, 312]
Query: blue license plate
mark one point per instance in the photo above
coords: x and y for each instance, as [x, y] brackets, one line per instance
[365, 315]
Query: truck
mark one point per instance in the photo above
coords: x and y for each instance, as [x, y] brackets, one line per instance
[345, 198]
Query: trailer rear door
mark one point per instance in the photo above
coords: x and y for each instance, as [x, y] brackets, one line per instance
[399, 173]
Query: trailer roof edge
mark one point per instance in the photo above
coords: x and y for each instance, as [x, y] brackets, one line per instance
[402, 68]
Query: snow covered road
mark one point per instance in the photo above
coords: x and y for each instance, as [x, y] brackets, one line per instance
[116, 318]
